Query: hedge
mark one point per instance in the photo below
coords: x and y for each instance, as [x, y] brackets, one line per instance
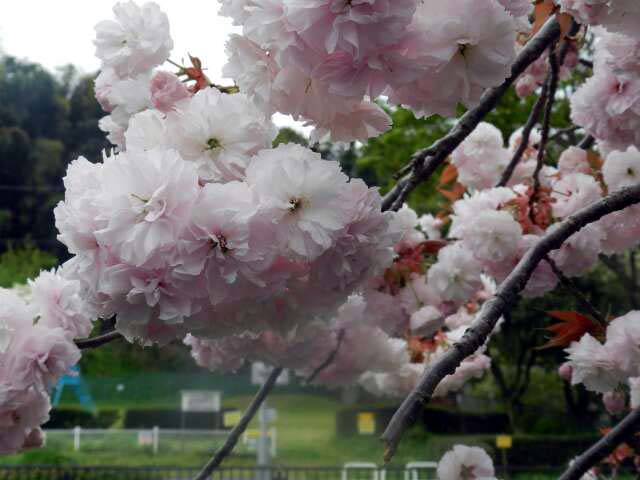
[434, 420]
[174, 419]
[70, 418]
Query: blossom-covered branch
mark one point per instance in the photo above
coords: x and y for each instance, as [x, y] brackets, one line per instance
[607, 444]
[425, 162]
[492, 310]
[241, 426]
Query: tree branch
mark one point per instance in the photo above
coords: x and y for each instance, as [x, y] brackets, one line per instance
[425, 162]
[603, 447]
[98, 341]
[241, 426]
[329, 360]
[554, 70]
[492, 310]
[526, 135]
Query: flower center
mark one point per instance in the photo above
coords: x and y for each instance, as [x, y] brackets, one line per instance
[213, 144]
[296, 203]
[220, 241]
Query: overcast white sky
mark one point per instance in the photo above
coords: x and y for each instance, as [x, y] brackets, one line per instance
[58, 32]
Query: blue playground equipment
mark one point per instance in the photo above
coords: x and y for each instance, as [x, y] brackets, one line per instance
[79, 387]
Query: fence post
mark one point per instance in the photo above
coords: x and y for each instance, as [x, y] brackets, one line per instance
[76, 438]
[156, 439]
[273, 432]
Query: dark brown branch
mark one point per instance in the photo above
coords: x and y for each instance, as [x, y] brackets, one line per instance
[98, 341]
[603, 447]
[329, 360]
[526, 135]
[505, 297]
[553, 78]
[425, 162]
[240, 427]
[575, 291]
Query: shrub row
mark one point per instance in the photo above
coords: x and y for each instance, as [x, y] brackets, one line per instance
[70, 418]
[434, 420]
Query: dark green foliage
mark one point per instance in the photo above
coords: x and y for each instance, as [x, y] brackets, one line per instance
[17, 265]
[45, 122]
[70, 418]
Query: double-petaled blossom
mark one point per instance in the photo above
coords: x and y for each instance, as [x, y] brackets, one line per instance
[471, 463]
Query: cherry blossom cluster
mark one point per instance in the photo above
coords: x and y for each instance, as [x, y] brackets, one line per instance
[36, 349]
[604, 364]
[197, 225]
[170, 255]
[130, 47]
[496, 226]
[607, 105]
[381, 338]
[619, 16]
[325, 61]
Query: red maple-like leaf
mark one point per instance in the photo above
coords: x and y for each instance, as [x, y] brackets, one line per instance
[196, 74]
[571, 328]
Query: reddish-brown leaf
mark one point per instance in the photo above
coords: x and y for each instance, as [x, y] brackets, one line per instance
[455, 193]
[571, 328]
[433, 246]
[595, 160]
[449, 174]
[565, 20]
[543, 10]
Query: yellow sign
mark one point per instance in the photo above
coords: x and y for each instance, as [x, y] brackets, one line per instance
[231, 418]
[504, 441]
[366, 423]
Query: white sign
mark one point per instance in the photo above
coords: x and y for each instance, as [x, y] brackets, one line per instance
[145, 437]
[260, 373]
[200, 401]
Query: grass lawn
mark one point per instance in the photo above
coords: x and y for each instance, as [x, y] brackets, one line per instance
[306, 437]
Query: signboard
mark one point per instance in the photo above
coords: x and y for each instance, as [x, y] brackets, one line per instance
[366, 423]
[145, 438]
[200, 401]
[230, 419]
[260, 372]
[504, 442]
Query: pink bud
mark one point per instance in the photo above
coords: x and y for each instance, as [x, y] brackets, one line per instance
[526, 86]
[614, 402]
[565, 371]
[35, 439]
[166, 90]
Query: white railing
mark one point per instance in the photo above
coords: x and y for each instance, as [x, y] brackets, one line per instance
[154, 439]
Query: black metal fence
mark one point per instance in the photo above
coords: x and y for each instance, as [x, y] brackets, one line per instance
[47, 472]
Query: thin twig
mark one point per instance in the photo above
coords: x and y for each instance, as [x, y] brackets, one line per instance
[329, 360]
[425, 162]
[586, 63]
[552, 81]
[240, 427]
[575, 291]
[587, 142]
[526, 135]
[98, 341]
[505, 297]
[564, 131]
[603, 447]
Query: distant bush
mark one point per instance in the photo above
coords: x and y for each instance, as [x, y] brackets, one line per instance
[70, 418]
[18, 265]
[434, 420]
